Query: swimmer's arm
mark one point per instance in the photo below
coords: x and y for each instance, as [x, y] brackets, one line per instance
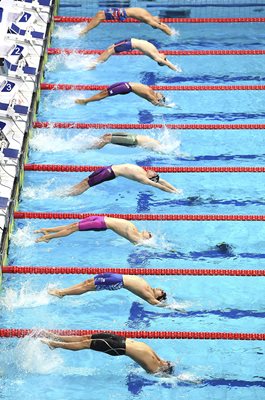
[159, 185]
[169, 186]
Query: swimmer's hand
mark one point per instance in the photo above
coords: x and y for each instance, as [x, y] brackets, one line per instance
[177, 191]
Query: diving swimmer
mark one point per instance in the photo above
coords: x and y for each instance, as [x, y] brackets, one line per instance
[113, 345]
[112, 281]
[134, 44]
[121, 14]
[122, 227]
[144, 91]
[129, 171]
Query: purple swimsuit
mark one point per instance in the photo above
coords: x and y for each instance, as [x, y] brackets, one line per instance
[101, 175]
[93, 223]
[123, 45]
[119, 88]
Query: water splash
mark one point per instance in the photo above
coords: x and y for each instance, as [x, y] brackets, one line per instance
[69, 31]
[175, 33]
[72, 61]
[40, 191]
[48, 141]
[24, 237]
[32, 356]
[169, 143]
[25, 297]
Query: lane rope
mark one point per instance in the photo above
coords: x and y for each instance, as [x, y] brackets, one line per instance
[166, 52]
[13, 269]
[64, 19]
[90, 168]
[81, 125]
[66, 86]
[19, 333]
[139, 217]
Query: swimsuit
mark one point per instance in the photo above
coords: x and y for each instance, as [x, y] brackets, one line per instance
[101, 175]
[119, 88]
[96, 223]
[123, 45]
[108, 281]
[115, 14]
[108, 343]
[123, 139]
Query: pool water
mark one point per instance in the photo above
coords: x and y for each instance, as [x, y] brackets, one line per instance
[204, 369]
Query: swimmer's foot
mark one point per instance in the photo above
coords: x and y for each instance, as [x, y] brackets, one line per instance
[42, 239]
[80, 101]
[56, 292]
[42, 230]
[48, 342]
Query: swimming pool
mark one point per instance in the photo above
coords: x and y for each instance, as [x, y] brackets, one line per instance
[205, 369]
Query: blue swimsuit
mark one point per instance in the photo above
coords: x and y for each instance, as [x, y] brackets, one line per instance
[115, 14]
[108, 281]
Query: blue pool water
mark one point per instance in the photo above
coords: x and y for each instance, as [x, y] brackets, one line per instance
[208, 370]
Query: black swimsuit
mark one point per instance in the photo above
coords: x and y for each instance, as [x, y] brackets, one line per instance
[108, 343]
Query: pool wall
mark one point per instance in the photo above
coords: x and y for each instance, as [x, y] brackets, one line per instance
[24, 55]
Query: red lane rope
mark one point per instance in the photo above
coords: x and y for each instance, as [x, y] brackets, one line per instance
[13, 269]
[139, 217]
[65, 86]
[166, 52]
[80, 125]
[90, 168]
[8, 333]
[60, 18]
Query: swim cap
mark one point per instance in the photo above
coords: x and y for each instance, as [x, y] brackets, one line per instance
[155, 178]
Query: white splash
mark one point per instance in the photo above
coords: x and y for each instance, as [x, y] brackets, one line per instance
[178, 68]
[72, 61]
[40, 192]
[175, 33]
[23, 237]
[68, 31]
[32, 356]
[25, 297]
[169, 143]
[48, 141]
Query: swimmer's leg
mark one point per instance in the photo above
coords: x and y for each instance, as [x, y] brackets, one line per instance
[95, 21]
[79, 188]
[74, 346]
[102, 141]
[68, 230]
[79, 288]
[97, 97]
[106, 54]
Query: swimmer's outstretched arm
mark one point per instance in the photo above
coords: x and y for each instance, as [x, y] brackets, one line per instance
[160, 185]
[169, 186]
[163, 61]
[97, 97]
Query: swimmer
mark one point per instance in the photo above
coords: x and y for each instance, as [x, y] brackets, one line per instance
[111, 281]
[127, 140]
[113, 345]
[129, 171]
[121, 14]
[134, 44]
[144, 91]
[120, 226]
